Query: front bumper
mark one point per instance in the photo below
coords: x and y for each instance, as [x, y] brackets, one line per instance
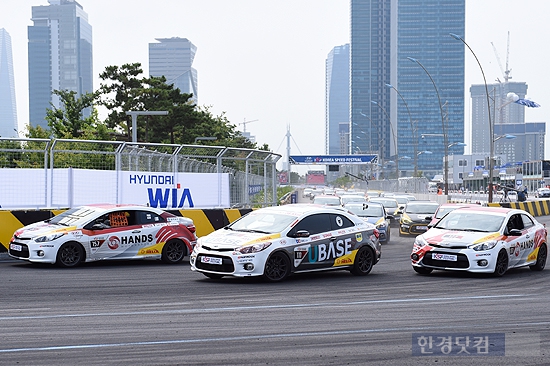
[455, 260]
[33, 252]
[228, 263]
[413, 228]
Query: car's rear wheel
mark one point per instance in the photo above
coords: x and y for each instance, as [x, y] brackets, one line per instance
[422, 270]
[364, 260]
[541, 259]
[70, 254]
[213, 276]
[502, 264]
[277, 267]
[173, 251]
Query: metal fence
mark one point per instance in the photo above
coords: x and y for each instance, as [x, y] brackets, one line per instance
[252, 172]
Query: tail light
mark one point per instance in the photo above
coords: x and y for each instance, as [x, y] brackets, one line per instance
[376, 233]
[191, 228]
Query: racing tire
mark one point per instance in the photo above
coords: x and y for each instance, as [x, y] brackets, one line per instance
[70, 255]
[422, 270]
[277, 267]
[502, 264]
[541, 259]
[213, 276]
[173, 251]
[364, 260]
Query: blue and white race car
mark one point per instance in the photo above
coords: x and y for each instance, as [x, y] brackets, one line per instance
[274, 242]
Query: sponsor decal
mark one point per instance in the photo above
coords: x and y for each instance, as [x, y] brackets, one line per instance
[136, 239]
[153, 250]
[359, 237]
[300, 253]
[113, 242]
[521, 246]
[533, 256]
[345, 260]
[96, 243]
[158, 198]
[46, 246]
[339, 221]
[327, 251]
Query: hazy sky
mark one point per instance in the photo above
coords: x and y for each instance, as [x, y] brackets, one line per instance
[265, 59]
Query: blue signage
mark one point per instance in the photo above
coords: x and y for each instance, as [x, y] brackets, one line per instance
[333, 159]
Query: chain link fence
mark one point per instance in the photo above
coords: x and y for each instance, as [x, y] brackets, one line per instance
[43, 172]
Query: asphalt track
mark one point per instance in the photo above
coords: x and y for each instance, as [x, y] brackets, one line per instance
[149, 313]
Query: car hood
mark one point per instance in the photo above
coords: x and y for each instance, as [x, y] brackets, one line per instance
[455, 237]
[418, 217]
[224, 238]
[40, 229]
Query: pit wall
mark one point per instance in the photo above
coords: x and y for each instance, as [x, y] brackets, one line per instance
[206, 221]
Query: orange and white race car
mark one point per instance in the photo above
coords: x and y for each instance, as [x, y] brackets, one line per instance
[97, 232]
[482, 240]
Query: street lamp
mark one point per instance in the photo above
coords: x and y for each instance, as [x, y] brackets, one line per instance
[491, 126]
[134, 115]
[394, 138]
[413, 130]
[445, 143]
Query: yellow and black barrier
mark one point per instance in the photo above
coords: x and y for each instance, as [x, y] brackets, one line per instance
[206, 221]
[535, 208]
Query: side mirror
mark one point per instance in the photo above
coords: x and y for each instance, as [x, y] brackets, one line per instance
[301, 234]
[514, 232]
[98, 227]
[390, 217]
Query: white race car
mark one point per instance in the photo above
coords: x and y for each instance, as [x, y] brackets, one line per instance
[96, 232]
[274, 242]
[482, 240]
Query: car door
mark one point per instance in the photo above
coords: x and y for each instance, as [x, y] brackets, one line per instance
[120, 236]
[306, 251]
[520, 247]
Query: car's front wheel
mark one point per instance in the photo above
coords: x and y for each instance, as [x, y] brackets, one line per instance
[502, 264]
[70, 254]
[541, 259]
[277, 267]
[422, 270]
[364, 260]
[173, 251]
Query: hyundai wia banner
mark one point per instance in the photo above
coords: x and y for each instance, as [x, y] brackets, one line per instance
[38, 188]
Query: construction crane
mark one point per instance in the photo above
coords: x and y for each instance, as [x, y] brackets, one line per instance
[245, 123]
[505, 72]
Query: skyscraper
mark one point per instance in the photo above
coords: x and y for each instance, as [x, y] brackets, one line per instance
[8, 111]
[508, 119]
[384, 33]
[173, 59]
[337, 98]
[60, 55]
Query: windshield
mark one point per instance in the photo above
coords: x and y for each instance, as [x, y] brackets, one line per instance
[334, 201]
[386, 203]
[443, 211]
[263, 222]
[370, 211]
[468, 221]
[421, 208]
[71, 217]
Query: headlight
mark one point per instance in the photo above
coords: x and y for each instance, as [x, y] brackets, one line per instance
[381, 225]
[420, 241]
[405, 220]
[50, 237]
[253, 248]
[483, 246]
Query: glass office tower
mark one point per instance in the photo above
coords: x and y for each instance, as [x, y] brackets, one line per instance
[384, 34]
[173, 59]
[8, 109]
[337, 98]
[60, 55]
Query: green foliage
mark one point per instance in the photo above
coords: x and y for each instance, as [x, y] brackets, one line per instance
[342, 182]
